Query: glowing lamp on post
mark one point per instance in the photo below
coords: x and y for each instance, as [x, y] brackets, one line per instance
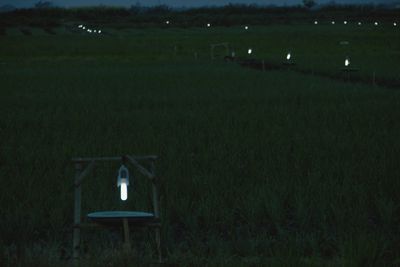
[123, 181]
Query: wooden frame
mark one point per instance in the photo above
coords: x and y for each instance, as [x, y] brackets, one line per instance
[83, 166]
[213, 46]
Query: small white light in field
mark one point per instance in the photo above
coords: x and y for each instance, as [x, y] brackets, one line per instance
[84, 27]
[347, 62]
[89, 31]
[288, 56]
[315, 22]
[359, 24]
[246, 27]
[167, 22]
[333, 22]
[345, 22]
[99, 31]
[249, 51]
[80, 26]
[395, 24]
[95, 31]
[208, 25]
[376, 23]
[123, 182]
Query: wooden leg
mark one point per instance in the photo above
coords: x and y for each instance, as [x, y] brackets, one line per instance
[127, 243]
[158, 241]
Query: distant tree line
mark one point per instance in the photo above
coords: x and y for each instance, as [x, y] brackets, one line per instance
[44, 14]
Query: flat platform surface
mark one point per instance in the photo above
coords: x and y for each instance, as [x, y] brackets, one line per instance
[114, 218]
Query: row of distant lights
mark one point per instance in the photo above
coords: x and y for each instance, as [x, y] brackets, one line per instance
[83, 27]
[359, 23]
[208, 25]
[289, 56]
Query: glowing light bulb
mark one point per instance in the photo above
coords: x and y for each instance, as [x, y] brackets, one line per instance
[345, 22]
[208, 25]
[167, 22]
[288, 56]
[315, 22]
[333, 22]
[395, 24]
[249, 51]
[99, 31]
[124, 191]
[376, 23]
[123, 182]
[347, 62]
[246, 27]
[84, 27]
[95, 31]
[359, 24]
[80, 26]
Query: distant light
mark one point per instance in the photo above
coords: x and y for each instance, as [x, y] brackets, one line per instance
[249, 51]
[395, 24]
[208, 25]
[333, 22]
[84, 27]
[347, 62]
[345, 22]
[246, 27]
[376, 23]
[288, 56]
[89, 31]
[359, 24]
[99, 31]
[315, 22]
[167, 22]
[80, 26]
[95, 31]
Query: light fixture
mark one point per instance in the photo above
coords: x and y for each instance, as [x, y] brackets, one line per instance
[208, 25]
[376, 23]
[167, 22]
[249, 51]
[394, 24]
[345, 22]
[84, 27]
[288, 56]
[359, 23]
[333, 22]
[123, 181]
[95, 31]
[80, 26]
[315, 22]
[347, 62]
[99, 31]
[246, 27]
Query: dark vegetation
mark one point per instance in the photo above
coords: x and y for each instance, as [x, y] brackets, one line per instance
[229, 15]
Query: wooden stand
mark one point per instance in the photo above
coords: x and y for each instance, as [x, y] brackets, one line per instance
[81, 172]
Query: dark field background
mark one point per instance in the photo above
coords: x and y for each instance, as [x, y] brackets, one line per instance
[274, 168]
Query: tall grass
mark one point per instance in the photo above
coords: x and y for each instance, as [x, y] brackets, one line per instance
[272, 168]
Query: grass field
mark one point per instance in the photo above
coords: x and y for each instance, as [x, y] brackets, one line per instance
[258, 168]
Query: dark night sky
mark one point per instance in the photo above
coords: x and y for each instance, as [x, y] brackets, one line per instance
[176, 3]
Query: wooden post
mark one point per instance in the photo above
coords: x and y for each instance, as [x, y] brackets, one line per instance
[156, 209]
[127, 243]
[77, 213]
[374, 78]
